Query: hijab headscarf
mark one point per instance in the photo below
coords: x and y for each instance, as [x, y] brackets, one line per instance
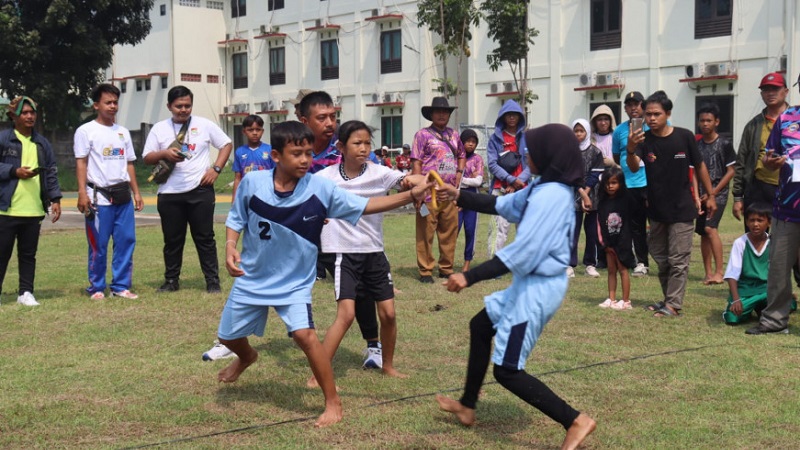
[556, 153]
[587, 141]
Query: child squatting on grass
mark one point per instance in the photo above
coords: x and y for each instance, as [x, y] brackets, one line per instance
[538, 259]
[614, 213]
[361, 269]
[280, 214]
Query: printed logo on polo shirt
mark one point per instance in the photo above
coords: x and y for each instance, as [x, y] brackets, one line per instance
[193, 131]
[793, 127]
[651, 157]
[113, 153]
[244, 156]
[265, 155]
[680, 155]
[121, 136]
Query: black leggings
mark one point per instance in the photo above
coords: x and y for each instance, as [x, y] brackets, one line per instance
[519, 382]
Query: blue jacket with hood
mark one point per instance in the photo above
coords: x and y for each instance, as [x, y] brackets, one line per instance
[495, 146]
[11, 159]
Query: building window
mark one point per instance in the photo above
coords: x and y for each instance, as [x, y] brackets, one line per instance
[240, 70]
[277, 66]
[163, 10]
[238, 136]
[192, 77]
[238, 8]
[213, 4]
[138, 85]
[147, 84]
[616, 108]
[392, 131]
[213, 79]
[190, 3]
[606, 24]
[164, 82]
[330, 59]
[712, 18]
[272, 5]
[391, 56]
[725, 103]
[123, 86]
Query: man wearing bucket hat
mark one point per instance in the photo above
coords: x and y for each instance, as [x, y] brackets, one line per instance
[438, 148]
[28, 188]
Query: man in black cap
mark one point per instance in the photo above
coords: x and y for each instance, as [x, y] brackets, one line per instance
[636, 182]
[28, 188]
[438, 148]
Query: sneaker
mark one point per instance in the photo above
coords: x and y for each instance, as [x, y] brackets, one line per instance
[169, 286]
[622, 305]
[570, 272]
[27, 299]
[640, 270]
[592, 272]
[373, 357]
[607, 304]
[218, 351]
[124, 294]
[213, 288]
[98, 295]
[426, 279]
[761, 329]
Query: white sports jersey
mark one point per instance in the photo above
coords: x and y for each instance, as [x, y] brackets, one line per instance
[366, 236]
[201, 134]
[107, 151]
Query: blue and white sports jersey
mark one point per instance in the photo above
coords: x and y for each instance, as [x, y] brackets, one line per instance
[281, 235]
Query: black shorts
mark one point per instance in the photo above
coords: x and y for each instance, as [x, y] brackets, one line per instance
[363, 276]
[713, 221]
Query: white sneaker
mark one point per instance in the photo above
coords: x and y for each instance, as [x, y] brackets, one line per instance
[218, 351]
[124, 294]
[570, 272]
[99, 295]
[640, 270]
[622, 305]
[373, 357]
[607, 304]
[27, 299]
[592, 271]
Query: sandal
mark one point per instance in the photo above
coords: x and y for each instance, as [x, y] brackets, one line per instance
[666, 311]
[655, 306]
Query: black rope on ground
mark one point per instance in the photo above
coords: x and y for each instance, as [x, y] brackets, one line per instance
[413, 397]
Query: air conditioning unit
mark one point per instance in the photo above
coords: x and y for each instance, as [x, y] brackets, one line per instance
[227, 36]
[225, 110]
[697, 70]
[337, 101]
[376, 12]
[717, 69]
[268, 106]
[242, 108]
[376, 97]
[494, 88]
[508, 86]
[587, 79]
[388, 98]
[605, 79]
[318, 23]
[263, 29]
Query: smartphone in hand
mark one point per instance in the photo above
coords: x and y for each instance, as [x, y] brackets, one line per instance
[637, 123]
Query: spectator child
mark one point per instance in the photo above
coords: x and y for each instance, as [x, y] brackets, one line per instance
[281, 212]
[255, 155]
[537, 258]
[748, 266]
[614, 220]
[586, 201]
[471, 181]
[719, 157]
[361, 268]
[603, 124]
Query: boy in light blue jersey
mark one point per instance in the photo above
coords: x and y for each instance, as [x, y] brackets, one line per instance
[252, 156]
[280, 214]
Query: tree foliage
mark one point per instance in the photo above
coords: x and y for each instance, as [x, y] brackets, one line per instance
[55, 50]
[507, 21]
[452, 20]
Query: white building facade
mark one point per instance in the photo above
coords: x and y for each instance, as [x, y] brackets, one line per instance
[251, 56]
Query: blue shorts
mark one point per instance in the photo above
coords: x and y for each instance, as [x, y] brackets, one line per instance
[240, 320]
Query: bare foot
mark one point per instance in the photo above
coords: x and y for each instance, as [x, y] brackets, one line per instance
[465, 415]
[232, 372]
[392, 372]
[578, 431]
[717, 279]
[312, 382]
[332, 414]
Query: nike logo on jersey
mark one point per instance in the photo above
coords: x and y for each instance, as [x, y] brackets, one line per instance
[309, 218]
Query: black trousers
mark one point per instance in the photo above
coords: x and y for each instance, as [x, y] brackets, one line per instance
[639, 225]
[195, 209]
[25, 231]
[366, 314]
[520, 383]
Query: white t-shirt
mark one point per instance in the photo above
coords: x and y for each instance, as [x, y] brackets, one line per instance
[188, 173]
[366, 236]
[107, 151]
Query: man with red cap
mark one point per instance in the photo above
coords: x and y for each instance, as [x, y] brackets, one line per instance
[752, 181]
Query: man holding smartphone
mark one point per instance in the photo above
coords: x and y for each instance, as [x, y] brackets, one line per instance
[636, 182]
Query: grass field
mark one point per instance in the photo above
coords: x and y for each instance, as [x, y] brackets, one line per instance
[120, 373]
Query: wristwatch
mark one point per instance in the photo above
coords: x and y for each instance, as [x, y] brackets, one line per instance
[217, 169]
